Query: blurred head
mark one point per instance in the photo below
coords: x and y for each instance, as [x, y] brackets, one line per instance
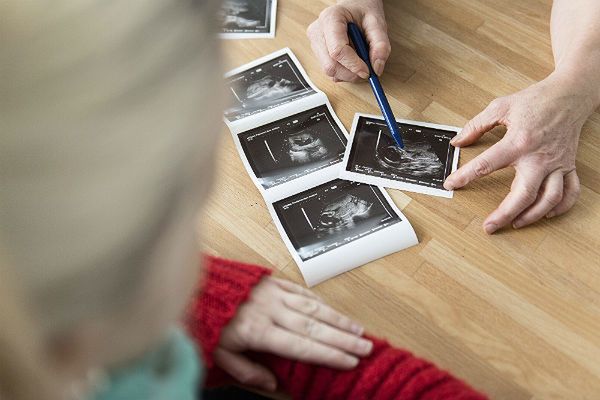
[110, 113]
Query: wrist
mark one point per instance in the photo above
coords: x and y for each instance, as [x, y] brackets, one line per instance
[580, 82]
[581, 76]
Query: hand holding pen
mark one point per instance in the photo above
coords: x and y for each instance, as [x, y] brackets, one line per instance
[330, 43]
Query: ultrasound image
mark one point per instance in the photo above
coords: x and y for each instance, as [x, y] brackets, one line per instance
[333, 214]
[268, 85]
[246, 16]
[425, 160]
[294, 146]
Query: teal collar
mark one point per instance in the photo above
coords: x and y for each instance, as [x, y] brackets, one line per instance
[172, 371]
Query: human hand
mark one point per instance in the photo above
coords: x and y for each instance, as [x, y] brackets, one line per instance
[329, 39]
[543, 126]
[285, 319]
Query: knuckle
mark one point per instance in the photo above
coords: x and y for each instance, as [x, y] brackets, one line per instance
[343, 321]
[310, 307]
[383, 48]
[250, 330]
[330, 12]
[503, 216]
[497, 105]
[554, 198]
[522, 143]
[482, 168]
[527, 194]
[337, 52]
[245, 327]
[300, 347]
[330, 68]
[310, 327]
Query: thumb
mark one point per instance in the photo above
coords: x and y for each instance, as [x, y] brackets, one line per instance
[490, 117]
[244, 370]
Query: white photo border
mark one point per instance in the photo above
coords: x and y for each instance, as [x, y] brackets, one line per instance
[390, 183]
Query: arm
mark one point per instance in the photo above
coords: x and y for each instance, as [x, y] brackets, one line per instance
[543, 124]
[387, 373]
[575, 31]
[241, 309]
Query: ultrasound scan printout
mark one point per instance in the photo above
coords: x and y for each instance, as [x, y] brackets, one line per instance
[422, 166]
[248, 19]
[333, 214]
[267, 85]
[293, 145]
[338, 226]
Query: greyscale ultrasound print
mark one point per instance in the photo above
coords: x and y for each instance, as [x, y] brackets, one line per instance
[265, 86]
[331, 215]
[426, 161]
[246, 16]
[294, 146]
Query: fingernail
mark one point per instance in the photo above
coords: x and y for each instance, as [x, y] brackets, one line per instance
[490, 228]
[366, 346]
[517, 224]
[550, 214]
[272, 386]
[448, 186]
[363, 74]
[455, 139]
[352, 361]
[378, 67]
[357, 329]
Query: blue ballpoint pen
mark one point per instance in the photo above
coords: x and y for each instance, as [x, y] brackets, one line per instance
[362, 49]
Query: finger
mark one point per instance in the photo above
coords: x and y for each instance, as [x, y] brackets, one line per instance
[335, 20]
[550, 196]
[331, 67]
[244, 370]
[379, 43]
[496, 157]
[323, 333]
[291, 345]
[490, 117]
[322, 312]
[293, 288]
[571, 192]
[523, 193]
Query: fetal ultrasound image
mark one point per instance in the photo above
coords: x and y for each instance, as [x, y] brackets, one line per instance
[294, 146]
[246, 16]
[331, 215]
[426, 159]
[263, 87]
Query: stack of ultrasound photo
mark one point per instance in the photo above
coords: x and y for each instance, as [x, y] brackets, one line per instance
[296, 151]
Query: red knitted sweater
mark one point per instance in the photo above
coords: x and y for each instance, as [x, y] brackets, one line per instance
[388, 373]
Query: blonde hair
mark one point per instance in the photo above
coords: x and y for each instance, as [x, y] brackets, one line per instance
[100, 109]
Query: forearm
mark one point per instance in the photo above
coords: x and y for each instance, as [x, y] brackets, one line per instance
[387, 374]
[575, 31]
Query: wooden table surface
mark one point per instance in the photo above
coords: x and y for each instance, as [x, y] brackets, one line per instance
[516, 314]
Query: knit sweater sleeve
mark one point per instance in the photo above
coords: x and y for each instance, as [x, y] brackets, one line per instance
[226, 285]
[388, 373]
